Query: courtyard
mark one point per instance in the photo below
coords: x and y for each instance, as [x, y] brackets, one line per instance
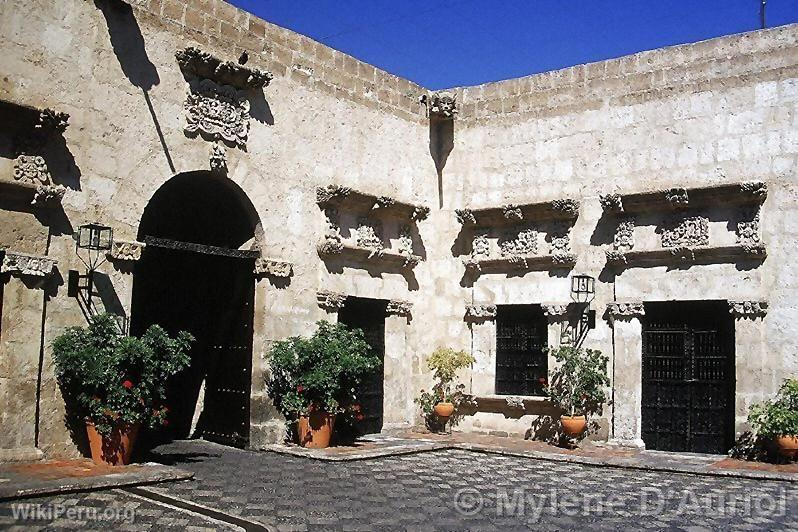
[438, 490]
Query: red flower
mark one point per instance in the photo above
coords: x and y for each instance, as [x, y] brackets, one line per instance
[300, 388]
[542, 380]
[356, 408]
[360, 417]
[127, 384]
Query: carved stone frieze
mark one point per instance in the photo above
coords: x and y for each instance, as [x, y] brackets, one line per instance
[218, 159]
[521, 244]
[405, 240]
[218, 112]
[512, 212]
[625, 310]
[48, 194]
[480, 312]
[398, 307]
[611, 203]
[748, 230]
[555, 310]
[563, 259]
[480, 247]
[624, 239]
[748, 309]
[369, 234]
[330, 193]
[514, 402]
[126, 250]
[332, 243]
[31, 169]
[273, 267]
[26, 265]
[677, 197]
[755, 188]
[465, 216]
[440, 105]
[205, 65]
[567, 206]
[559, 239]
[686, 232]
[332, 301]
[615, 257]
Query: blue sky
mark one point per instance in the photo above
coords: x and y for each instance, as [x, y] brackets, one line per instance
[448, 43]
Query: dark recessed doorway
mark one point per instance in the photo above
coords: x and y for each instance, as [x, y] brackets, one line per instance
[196, 275]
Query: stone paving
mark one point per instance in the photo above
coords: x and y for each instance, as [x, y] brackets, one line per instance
[449, 490]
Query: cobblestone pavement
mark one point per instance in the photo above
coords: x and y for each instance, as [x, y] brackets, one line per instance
[453, 490]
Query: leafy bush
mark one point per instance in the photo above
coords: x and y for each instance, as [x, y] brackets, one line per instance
[444, 363]
[778, 417]
[320, 373]
[112, 378]
[579, 384]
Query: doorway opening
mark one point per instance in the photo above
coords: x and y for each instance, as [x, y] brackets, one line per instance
[369, 316]
[688, 377]
[196, 274]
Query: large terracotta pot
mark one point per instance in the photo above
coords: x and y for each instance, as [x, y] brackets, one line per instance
[115, 449]
[788, 446]
[573, 426]
[444, 410]
[315, 430]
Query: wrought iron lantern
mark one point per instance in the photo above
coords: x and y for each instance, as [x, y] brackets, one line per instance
[93, 240]
[583, 288]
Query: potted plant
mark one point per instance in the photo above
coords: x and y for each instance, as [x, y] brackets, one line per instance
[442, 400]
[578, 386]
[117, 383]
[778, 419]
[314, 379]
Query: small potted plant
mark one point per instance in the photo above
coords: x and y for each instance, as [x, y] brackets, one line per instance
[314, 379]
[442, 400]
[117, 383]
[578, 386]
[778, 419]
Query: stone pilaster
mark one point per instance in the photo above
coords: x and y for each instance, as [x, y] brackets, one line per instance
[398, 392]
[627, 373]
[756, 377]
[482, 322]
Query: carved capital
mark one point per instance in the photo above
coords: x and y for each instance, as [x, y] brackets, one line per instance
[465, 216]
[615, 257]
[555, 310]
[25, 265]
[331, 301]
[611, 203]
[480, 312]
[124, 250]
[398, 307]
[748, 309]
[273, 267]
[618, 311]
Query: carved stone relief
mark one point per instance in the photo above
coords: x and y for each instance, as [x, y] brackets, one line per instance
[514, 402]
[524, 243]
[615, 257]
[332, 243]
[480, 247]
[686, 232]
[205, 65]
[555, 310]
[26, 265]
[273, 268]
[465, 216]
[398, 307]
[441, 105]
[218, 112]
[480, 311]
[748, 231]
[624, 239]
[218, 159]
[611, 203]
[677, 197]
[559, 239]
[749, 309]
[419, 213]
[755, 188]
[512, 212]
[405, 240]
[125, 250]
[331, 301]
[566, 206]
[32, 170]
[625, 310]
[330, 193]
[369, 234]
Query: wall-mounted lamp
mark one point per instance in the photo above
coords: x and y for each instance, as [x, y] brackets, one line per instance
[94, 241]
[583, 291]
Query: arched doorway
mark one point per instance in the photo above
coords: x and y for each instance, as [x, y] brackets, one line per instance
[196, 274]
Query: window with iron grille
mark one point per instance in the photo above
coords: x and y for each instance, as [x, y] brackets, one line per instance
[521, 360]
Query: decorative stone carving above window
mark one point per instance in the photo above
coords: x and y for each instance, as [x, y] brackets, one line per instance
[195, 62]
[330, 193]
[513, 212]
[560, 240]
[31, 169]
[748, 231]
[217, 112]
[218, 160]
[126, 250]
[369, 234]
[465, 216]
[748, 309]
[756, 189]
[442, 105]
[625, 310]
[273, 267]
[405, 240]
[518, 245]
[677, 198]
[686, 232]
[624, 239]
[515, 402]
[331, 301]
[352, 200]
[480, 247]
[25, 265]
[555, 310]
[480, 312]
[611, 203]
[398, 307]
[568, 207]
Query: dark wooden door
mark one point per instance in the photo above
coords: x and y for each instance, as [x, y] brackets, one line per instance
[369, 316]
[688, 377]
[521, 360]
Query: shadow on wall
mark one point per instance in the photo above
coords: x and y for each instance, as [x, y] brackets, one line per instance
[441, 143]
[128, 45]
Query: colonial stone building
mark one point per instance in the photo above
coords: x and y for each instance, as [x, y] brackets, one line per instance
[257, 181]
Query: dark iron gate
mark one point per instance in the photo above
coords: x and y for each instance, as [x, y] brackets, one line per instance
[369, 316]
[521, 361]
[688, 377]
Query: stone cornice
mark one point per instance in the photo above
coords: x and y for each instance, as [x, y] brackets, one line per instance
[25, 265]
[554, 310]
[331, 301]
[748, 309]
[194, 61]
[480, 312]
[126, 250]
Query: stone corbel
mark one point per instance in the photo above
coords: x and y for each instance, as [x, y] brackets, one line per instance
[621, 311]
[555, 311]
[330, 301]
[611, 203]
[25, 265]
[677, 198]
[515, 402]
[201, 64]
[480, 312]
[325, 195]
[273, 268]
[126, 250]
[748, 309]
[398, 307]
[568, 207]
[441, 105]
[512, 212]
[465, 216]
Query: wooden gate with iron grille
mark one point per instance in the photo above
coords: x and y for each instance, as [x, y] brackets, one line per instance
[688, 377]
[521, 361]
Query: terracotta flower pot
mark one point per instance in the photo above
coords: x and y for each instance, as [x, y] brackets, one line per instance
[788, 446]
[443, 410]
[315, 430]
[115, 449]
[573, 426]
